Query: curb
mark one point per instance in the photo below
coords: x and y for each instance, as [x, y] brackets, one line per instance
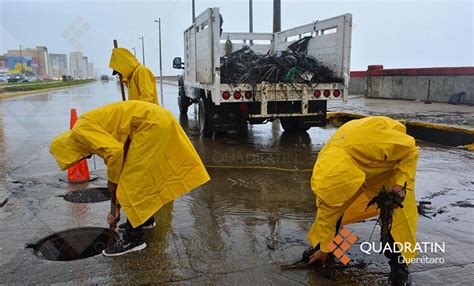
[431, 132]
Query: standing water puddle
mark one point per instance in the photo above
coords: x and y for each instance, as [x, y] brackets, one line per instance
[73, 244]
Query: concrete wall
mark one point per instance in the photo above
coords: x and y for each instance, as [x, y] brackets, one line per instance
[416, 87]
[414, 84]
[357, 85]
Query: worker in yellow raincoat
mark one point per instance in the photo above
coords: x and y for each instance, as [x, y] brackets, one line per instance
[358, 160]
[150, 161]
[141, 86]
[140, 80]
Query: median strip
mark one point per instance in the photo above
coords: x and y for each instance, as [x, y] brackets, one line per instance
[25, 89]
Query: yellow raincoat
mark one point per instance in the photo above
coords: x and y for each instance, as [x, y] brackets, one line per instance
[161, 164]
[361, 157]
[141, 81]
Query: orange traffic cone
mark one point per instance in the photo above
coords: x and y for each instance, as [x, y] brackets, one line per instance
[78, 173]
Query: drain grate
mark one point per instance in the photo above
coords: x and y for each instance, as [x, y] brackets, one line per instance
[74, 244]
[89, 195]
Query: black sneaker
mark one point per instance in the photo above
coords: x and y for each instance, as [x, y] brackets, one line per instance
[149, 226]
[121, 247]
[121, 227]
[399, 274]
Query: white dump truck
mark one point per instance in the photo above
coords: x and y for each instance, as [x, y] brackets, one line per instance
[226, 106]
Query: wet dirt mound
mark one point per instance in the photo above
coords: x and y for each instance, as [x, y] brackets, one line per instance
[74, 244]
[89, 195]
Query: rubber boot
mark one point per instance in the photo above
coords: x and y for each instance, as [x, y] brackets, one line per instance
[399, 273]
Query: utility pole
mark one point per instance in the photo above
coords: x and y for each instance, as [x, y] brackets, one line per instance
[134, 51]
[161, 59]
[194, 11]
[250, 16]
[143, 49]
[21, 59]
[276, 16]
[276, 28]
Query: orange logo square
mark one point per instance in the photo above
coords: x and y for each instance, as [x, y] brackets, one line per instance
[338, 239]
[338, 253]
[345, 246]
[332, 246]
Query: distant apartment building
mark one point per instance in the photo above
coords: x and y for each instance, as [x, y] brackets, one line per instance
[86, 65]
[3, 63]
[77, 66]
[34, 61]
[59, 66]
[90, 70]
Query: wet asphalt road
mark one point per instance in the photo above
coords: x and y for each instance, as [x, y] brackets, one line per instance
[238, 229]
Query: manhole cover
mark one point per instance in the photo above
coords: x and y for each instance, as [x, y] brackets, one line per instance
[74, 244]
[90, 195]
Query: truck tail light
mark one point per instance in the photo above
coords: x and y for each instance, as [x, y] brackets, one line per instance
[244, 107]
[327, 93]
[248, 94]
[225, 95]
[237, 95]
[317, 93]
[336, 93]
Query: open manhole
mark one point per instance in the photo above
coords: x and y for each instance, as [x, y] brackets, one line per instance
[89, 195]
[74, 244]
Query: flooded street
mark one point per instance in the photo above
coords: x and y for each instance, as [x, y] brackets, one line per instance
[251, 218]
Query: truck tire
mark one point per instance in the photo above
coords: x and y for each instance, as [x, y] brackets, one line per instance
[204, 118]
[183, 101]
[291, 125]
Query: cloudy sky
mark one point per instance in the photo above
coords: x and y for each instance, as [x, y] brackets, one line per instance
[392, 33]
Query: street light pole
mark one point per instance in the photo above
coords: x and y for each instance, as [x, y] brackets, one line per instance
[21, 59]
[194, 11]
[276, 16]
[251, 18]
[276, 28]
[143, 48]
[134, 51]
[161, 59]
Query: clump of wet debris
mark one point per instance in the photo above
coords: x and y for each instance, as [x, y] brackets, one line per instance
[386, 201]
[293, 65]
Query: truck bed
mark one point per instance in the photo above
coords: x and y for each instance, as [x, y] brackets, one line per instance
[205, 45]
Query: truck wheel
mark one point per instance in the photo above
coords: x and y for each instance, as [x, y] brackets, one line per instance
[183, 101]
[291, 125]
[204, 118]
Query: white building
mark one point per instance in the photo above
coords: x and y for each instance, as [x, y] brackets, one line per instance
[77, 66]
[90, 70]
[59, 65]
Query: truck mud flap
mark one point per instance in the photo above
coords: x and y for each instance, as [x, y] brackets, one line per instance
[312, 121]
[232, 115]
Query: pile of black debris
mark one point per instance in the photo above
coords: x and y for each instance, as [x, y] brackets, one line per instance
[293, 65]
[386, 201]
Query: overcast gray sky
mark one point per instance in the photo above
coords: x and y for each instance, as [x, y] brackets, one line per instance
[392, 33]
